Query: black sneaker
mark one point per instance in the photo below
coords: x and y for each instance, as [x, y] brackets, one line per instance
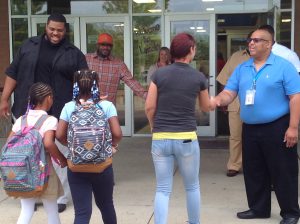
[61, 207]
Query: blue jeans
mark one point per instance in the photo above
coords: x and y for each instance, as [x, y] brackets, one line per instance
[82, 185]
[187, 155]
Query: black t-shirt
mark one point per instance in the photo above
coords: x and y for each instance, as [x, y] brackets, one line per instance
[178, 86]
[44, 65]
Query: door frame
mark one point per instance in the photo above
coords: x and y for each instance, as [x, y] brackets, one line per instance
[211, 129]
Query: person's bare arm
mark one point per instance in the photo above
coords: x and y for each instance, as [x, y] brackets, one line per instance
[51, 147]
[132, 83]
[116, 132]
[151, 103]
[223, 98]
[291, 134]
[9, 87]
[204, 102]
[61, 132]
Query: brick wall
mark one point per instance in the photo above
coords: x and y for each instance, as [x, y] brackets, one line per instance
[5, 124]
[4, 40]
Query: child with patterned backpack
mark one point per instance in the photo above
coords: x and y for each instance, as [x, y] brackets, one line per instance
[40, 100]
[91, 129]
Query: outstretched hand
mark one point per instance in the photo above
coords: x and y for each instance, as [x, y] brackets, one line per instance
[4, 109]
[61, 161]
[214, 102]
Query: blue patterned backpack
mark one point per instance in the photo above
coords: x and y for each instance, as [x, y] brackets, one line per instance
[89, 139]
[23, 162]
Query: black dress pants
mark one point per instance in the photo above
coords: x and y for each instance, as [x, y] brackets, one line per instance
[267, 161]
[83, 185]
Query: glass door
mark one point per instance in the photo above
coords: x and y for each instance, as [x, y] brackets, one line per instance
[203, 30]
[118, 27]
[236, 41]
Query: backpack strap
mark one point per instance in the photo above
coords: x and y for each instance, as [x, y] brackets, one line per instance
[99, 106]
[23, 122]
[38, 124]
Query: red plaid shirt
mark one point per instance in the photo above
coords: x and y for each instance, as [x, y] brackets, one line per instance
[110, 72]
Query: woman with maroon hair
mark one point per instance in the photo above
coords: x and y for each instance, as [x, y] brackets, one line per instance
[170, 109]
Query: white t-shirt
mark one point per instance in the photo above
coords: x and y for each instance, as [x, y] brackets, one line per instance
[32, 117]
[287, 54]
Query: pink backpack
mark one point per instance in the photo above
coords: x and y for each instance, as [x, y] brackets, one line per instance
[23, 162]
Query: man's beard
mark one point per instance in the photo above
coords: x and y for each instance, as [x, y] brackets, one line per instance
[100, 54]
[56, 44]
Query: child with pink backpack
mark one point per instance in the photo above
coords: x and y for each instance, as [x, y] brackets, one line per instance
[40, 100]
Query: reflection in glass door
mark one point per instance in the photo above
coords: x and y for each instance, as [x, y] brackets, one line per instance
[118, 27]
[236, 41]
[203, 30]
[146, 44]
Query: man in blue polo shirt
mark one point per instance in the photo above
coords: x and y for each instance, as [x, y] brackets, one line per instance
[268, 88]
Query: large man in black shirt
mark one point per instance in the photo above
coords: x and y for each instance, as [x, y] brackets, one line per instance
[47, 58]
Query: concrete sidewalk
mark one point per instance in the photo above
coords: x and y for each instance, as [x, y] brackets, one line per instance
[221, 197]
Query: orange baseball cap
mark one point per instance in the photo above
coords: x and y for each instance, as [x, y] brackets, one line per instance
[105, 38]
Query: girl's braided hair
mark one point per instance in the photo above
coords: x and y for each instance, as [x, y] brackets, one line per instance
[37, 93]
[86, 85]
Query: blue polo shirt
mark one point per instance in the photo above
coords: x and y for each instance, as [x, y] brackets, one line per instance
[275, 81]
[108, 108]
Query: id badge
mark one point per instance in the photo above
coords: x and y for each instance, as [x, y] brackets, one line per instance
[250, 95]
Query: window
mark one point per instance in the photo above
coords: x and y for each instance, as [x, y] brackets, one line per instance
[18, 7]
[19, 33]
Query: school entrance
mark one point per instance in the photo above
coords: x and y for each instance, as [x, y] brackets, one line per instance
[83, 32]
[141, 27]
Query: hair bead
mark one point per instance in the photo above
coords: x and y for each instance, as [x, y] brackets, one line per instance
[75, 91]
[86, 85]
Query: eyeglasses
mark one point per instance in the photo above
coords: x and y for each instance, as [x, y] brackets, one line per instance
[255, 40]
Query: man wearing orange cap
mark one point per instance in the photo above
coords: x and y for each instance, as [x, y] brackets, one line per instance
[111, 70]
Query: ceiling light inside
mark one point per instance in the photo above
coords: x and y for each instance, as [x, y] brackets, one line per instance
[286, 20]
[210, 9]
[154, 10]
[212, 0]
[144, 1]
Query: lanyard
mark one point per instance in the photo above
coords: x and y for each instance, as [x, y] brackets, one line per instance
[258, 74]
